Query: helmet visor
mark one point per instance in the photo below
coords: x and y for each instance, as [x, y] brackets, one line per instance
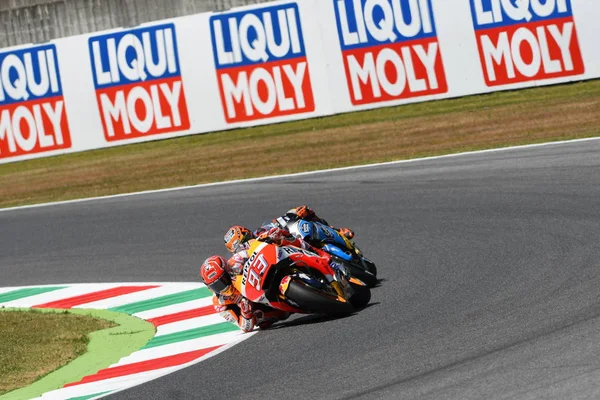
[220, 285]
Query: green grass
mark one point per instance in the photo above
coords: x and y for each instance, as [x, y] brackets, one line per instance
[34, 344]
[499, 119]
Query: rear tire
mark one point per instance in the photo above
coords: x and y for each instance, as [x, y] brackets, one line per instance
[316, 302]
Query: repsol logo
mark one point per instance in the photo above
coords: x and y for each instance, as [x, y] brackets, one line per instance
[525, 40]
[390, 49]
[261, 63]
[138, 82]
[32, 108]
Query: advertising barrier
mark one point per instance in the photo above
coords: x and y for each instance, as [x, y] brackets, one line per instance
[282, 61]
[390, 50]
[261, 63]
[32, 106]
[526, 41]
[138, 82]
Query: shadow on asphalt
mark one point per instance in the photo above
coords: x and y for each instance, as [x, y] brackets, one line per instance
[315, 319]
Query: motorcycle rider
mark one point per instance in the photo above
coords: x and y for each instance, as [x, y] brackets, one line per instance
[229, 302]
[216, 272]
[237, 241]
[307, 214]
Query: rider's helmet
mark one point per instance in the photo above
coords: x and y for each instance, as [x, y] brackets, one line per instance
[215, 276]
[236, 236]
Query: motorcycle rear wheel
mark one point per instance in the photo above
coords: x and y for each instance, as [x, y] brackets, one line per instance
[316, 302]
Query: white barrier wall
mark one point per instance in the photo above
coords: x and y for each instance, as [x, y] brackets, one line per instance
[282, 61]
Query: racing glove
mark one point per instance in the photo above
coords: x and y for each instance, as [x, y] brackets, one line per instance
[347, 232]
[304, 212]
[246, 320]
[246, 309]
[275, 235]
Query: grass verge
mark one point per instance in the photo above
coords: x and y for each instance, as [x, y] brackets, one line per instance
[494, 120]
[105, 347]
[34, 344]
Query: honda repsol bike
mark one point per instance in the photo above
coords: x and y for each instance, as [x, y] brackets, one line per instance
[343, 250]
[295, 280]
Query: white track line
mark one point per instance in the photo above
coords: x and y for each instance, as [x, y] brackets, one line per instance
[175, 308]
[11, 289]
[266, 178]
[224, 340]
[126, 382]
[188, 324]
[140, 296]
[59, 294]
[107, 384]
[184, 347]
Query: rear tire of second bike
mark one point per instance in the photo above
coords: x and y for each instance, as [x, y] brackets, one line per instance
[316, 302]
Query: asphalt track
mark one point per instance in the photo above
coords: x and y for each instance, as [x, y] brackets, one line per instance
[490, 265]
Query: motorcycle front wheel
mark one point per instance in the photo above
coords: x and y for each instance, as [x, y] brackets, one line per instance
[315, 301]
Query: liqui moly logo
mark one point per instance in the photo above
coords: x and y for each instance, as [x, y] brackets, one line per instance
[526, 40]
[33, 118]
[261, 63]
[390, 49]
[138, 82]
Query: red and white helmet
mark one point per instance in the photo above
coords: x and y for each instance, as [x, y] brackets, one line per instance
[215, 276]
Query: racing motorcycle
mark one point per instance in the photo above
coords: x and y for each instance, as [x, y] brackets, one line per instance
[299, 281]
[343, 250]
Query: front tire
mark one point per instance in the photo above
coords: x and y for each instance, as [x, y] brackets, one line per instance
[316, 302]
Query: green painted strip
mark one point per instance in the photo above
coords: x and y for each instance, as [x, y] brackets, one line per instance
[163, 301]
[26, 292]
[190, 334]
[89, 396]
[105, 348]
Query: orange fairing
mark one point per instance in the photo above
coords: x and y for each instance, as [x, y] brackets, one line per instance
[254, 245]
[357, 281]
[262, 257]
[314, 261]
[236, 281]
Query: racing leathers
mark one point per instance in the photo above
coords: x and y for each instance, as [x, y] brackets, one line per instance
[235, 308]
[262, 316]
[307, 214]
